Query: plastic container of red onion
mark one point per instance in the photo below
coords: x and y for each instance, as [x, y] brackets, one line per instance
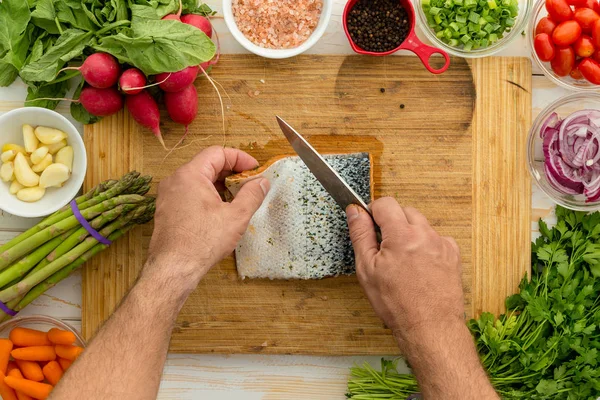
[564, 151]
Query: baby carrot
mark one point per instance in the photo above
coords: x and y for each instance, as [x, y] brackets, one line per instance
[11, 365]
[5, 349]
[17, 374]
[68, 352]
[64, 363]
[6, 391]
[36, 390]
[53, 372]
[31, 370]
[34, 353]
[23, 337]
[58, 336]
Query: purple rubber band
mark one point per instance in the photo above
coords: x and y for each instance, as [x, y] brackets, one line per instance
[7, 310]
[95, 234]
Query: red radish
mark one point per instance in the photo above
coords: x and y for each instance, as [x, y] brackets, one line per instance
[182, 106]
[174, 17]
[101, 102]
[100, 70]
[199, 22]
[176, 81]
[144, 110]
[132, 81]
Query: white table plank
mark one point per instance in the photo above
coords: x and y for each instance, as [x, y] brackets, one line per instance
[240, 376]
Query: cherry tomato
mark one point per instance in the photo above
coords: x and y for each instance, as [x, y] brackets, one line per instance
[546, 25]
[544, 48]
[578, 3]
[576, 73]
[586, 17]
[566, 33]
[596, 34]
[596, 56]
[559, 10]
[590, 70]
[563, 61]
[593, 4]
[584, 47]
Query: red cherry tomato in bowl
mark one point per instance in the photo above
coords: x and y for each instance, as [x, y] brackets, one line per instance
[544, 48]
[576, 73]
[559, 10]
[566, 33]
[593, 4]
[563, 61]
[590, 70]
[546, 25]
[584, 47]
[596, 34]
[586, 17]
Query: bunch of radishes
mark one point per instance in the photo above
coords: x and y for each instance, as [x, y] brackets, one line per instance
[102, 97]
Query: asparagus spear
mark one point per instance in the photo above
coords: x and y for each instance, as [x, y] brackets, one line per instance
[20, 268]
[25, 246]
[141, 213]
[65, 243]
[115, 190]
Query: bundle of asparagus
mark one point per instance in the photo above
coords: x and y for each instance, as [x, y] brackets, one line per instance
[39, 258]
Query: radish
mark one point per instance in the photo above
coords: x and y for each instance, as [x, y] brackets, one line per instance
[100, 70]
[144, 110]
[174, 17]
[182, 106]
[101, 102]
[199, 22]
[176, 81]
[132, 81]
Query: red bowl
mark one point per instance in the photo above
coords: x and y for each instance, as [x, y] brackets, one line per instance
[411, 43]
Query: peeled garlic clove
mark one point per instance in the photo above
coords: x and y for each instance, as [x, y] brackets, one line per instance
[24, 173]
[8, 156]
[31, 194]
[15, 186]
[42, 165]
[65, 156]
[54, 148]
[14, 147]
[49, 135]
[30, 139]
[54, 175]
[6, 171]
[39, 154]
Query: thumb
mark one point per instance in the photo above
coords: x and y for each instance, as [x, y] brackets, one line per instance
[250, 198]
[362, 233]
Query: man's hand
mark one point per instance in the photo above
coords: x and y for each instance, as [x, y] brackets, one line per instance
[193, 226]
[412, 278]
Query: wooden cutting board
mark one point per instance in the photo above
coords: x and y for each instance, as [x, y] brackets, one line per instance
[453, 145]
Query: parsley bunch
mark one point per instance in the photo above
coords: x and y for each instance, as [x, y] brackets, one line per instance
[546, 345]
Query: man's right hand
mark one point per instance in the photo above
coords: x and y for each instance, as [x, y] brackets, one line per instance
[413, 277]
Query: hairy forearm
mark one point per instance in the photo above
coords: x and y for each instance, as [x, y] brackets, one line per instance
[126, 358]
[444, 360]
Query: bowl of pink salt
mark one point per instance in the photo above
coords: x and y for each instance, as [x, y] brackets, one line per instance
[277, 28]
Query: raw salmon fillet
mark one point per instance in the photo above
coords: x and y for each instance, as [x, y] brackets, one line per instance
[300, 232]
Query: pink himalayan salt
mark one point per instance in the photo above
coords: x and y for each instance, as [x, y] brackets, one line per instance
[277, 24]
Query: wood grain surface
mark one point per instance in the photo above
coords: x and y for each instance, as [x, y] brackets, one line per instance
[429, 151]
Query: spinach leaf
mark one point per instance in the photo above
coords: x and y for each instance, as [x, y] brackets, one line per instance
[54, 91]
[74, 15]
[14, 38]
[160, 46]
[195, 7]
[70, 44]
[78, 112]
[44, 16]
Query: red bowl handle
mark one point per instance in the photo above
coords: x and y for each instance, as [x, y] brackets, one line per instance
[424, 52]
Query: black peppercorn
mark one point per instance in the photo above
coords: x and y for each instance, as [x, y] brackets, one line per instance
[385, 21]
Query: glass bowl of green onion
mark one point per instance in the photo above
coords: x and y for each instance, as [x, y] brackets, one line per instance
[472, 28]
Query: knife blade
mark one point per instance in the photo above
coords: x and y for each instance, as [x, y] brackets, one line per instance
[335, 185]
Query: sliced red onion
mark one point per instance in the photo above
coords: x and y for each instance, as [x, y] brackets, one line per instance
[572, 153]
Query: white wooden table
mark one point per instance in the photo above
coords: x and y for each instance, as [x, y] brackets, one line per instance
[251, 377]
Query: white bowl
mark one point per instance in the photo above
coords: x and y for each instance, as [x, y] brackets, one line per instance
[11, 131]
[278, 53]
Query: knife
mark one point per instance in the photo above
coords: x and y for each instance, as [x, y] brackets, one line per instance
[337, 187]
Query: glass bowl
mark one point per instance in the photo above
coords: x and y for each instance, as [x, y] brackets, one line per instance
[520, 25]
[535, 154]
[41, 323]
[539, 12]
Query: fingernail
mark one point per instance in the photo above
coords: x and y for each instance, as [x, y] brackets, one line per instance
[265, 185]
[352, 212]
